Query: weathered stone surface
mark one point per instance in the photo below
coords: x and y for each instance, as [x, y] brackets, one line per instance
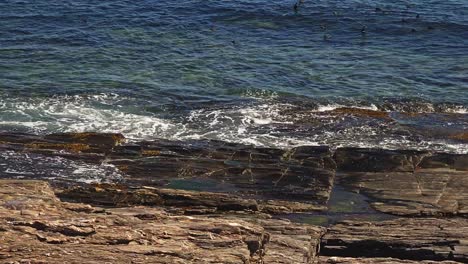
[86, 147]
[378, 160]
[425, 192]
[290, 243]
[303, 174]
[74, 233]
[223, 217]
[413, 239]
[115, 195]
[191, 202]
[344, 260]
[103, 140]
[408, 183]
[71, 142]
[445, 161]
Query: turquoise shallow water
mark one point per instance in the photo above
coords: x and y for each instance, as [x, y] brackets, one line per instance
[229, 69]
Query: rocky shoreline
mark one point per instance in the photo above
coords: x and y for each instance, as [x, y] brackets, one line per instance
[216, 202]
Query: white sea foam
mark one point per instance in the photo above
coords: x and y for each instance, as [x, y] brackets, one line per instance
[331, 107]
[265, 123]
[459, 110]
[79, 114]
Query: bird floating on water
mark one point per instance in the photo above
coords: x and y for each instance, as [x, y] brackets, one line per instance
[297, 5]
[363, 29]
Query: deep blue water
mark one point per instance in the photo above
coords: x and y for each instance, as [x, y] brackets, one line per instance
[230, 69]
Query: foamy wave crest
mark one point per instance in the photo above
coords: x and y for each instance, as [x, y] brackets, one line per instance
[101, 113]
[331, 107]
[242, 124]
[266, 123]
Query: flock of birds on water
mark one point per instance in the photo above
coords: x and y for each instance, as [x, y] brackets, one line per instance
[297, 5]
[363, 30]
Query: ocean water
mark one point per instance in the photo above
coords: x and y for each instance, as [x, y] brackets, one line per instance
[254, 72]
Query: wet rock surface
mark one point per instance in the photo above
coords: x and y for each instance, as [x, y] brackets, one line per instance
[281, 180]
[215, 202]
[407, 183]
[423, 193]
[303, 174]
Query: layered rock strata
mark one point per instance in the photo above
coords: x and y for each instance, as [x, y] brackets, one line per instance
[216, 202]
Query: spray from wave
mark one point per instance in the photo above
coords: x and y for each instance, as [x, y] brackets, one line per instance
[100, 113]
[271, 122]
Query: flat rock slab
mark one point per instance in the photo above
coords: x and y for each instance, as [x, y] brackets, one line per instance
[303, 174]
[344, 260]
[186, 202]
[377, 160]
[412, 239]
[425, 192]
[406, 182]
[298, 179]
[384, 160]
[36, 227]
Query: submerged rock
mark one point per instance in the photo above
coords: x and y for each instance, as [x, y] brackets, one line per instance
[360, 112]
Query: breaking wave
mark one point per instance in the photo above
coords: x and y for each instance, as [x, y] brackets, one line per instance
[273, 122]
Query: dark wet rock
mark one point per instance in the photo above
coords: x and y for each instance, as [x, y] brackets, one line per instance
[407, 182]
[461, 136]
[18, 138]
[190, 202]
[303, 174]
[88, 147]
[413, 239]
[425, 192]
[71, 142]
[433, 126]
[378, 160]
[103, 140]
[115, 195]
[79, 142]
[445, 161]
[359, 112]
[208, 201]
